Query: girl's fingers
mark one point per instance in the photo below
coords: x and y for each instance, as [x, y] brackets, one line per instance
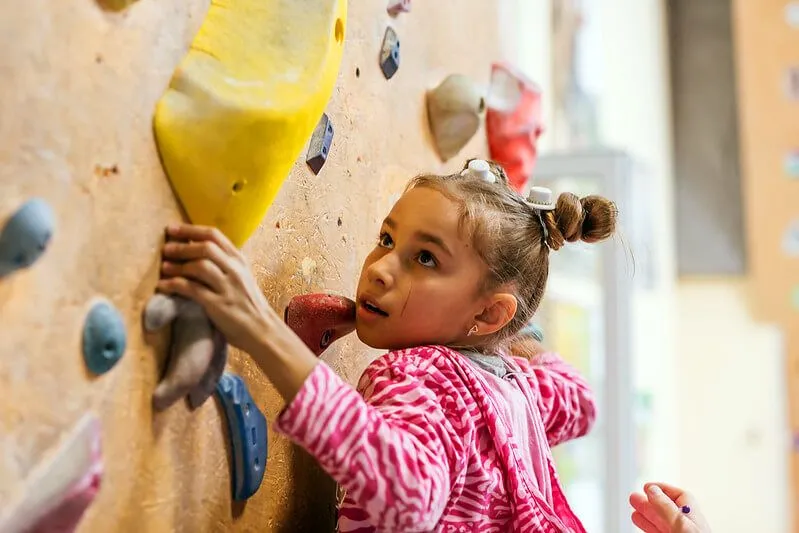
[675, 493]
[642, 523]
[643, 507]
[204, 271]
[190, 232]
[188, 289]
[664, 505]
[191, 251]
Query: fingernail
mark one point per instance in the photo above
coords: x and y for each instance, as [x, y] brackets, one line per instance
[654, 490]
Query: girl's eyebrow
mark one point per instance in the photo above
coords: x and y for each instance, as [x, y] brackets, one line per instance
[434, 239]
[422, 236]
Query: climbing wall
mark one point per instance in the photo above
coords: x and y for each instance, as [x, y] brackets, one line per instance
[81, 82]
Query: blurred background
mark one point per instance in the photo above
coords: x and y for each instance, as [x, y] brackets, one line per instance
[691, 109]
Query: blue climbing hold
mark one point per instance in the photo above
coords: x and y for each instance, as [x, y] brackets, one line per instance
[25, 236]
[247, 430]
[104, 338]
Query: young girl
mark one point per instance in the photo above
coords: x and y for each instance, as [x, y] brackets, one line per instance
[446, 432]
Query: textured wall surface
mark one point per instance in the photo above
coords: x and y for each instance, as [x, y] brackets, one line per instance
[79, 88]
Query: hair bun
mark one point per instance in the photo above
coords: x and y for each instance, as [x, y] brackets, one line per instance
[590, 219]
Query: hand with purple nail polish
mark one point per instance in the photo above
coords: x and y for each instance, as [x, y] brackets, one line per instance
[665, 508]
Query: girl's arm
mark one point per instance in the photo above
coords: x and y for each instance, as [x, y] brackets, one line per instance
[396, 453]
[564, 397]
[397, 450]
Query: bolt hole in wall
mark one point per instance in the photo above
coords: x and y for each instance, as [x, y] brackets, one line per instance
[326, 339]
[339, 31]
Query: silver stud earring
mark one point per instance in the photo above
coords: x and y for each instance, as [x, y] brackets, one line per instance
[472, 331]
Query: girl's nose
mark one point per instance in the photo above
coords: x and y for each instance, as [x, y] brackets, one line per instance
[381, 272]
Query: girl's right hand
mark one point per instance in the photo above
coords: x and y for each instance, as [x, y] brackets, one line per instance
[661, 510]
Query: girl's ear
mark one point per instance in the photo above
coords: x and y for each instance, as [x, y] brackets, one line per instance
[500, 310]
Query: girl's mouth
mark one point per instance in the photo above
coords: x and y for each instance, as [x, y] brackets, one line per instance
[372, 308]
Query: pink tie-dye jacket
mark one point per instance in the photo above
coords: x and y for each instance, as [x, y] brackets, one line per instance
[422, 447]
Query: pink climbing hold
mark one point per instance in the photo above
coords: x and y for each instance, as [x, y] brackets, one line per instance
[513, 123]
[67, 515]
[60, 490]
[320, 319]
[395, 7]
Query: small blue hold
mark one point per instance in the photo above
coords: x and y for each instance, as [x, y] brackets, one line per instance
[104, 338]
[25, 236]
[247, 431]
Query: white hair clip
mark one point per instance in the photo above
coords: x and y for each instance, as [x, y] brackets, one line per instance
[481, 169]
[541, 198]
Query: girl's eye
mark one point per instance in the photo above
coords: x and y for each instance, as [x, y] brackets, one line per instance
[427, 259]
[385, 241]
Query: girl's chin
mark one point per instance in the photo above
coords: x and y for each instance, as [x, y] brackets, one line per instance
[378, 341]
[373, 338]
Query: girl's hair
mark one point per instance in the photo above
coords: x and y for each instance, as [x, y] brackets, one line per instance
[509, 234]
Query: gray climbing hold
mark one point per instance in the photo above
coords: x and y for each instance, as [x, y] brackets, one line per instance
[161, 310]
[319, 147]
[25, 236]
[207, 385]
[104, 338]
[390, 53]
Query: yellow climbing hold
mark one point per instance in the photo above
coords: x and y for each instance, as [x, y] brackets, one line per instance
[243, 103]
[114, 5]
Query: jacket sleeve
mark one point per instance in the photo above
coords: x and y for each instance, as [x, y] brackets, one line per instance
[396, 450]
[564, 397]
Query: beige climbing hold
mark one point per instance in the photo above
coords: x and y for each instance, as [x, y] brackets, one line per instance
[454, 109]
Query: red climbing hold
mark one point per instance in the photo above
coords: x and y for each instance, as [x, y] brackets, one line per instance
[513, 122]
[320, 319]
[395, 7]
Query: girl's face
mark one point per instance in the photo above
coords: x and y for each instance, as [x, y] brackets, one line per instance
[421, 284]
